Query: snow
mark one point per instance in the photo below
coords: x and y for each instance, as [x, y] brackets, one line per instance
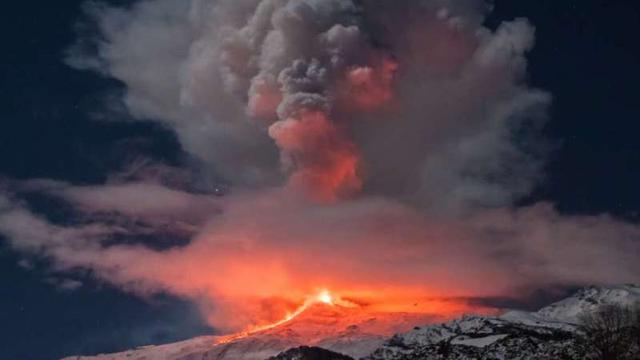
[161, 352]
[478, 342]
[589, 299]
[534, 319]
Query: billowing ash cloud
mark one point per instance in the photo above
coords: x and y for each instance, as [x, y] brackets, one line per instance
[376, 148]
[410, 99]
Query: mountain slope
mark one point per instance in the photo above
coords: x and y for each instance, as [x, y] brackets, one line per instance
[474, 337]
[345, 330]
[548, 333]
[161, 352]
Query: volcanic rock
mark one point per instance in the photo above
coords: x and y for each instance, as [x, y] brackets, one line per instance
[309, 353]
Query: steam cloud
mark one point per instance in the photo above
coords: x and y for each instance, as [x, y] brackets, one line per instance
[375, 148]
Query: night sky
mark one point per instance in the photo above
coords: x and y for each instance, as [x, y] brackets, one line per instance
[587, 56]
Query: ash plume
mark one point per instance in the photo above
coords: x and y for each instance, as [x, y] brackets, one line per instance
[375, 148]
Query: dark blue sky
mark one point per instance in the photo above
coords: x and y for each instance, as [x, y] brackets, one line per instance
[587, 55]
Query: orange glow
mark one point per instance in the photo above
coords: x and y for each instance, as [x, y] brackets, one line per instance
[258, 265]
[325, 297]
[368, 88]
[405, 312]
[324, 160]
[261, 261]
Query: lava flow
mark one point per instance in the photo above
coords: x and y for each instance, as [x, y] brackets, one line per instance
[323, 297]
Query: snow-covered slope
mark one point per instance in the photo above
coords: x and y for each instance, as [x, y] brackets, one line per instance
[345, 330]
[477, 337]
[173, 351]
[589, 299]
[548, 333]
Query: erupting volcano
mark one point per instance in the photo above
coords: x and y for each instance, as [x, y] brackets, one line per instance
[351, 167]
[324, 315]
[326, 320]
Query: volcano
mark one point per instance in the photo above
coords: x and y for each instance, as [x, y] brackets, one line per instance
[352, 331]
[548, 333]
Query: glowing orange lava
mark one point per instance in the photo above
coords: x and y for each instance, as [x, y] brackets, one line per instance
[324, 297]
